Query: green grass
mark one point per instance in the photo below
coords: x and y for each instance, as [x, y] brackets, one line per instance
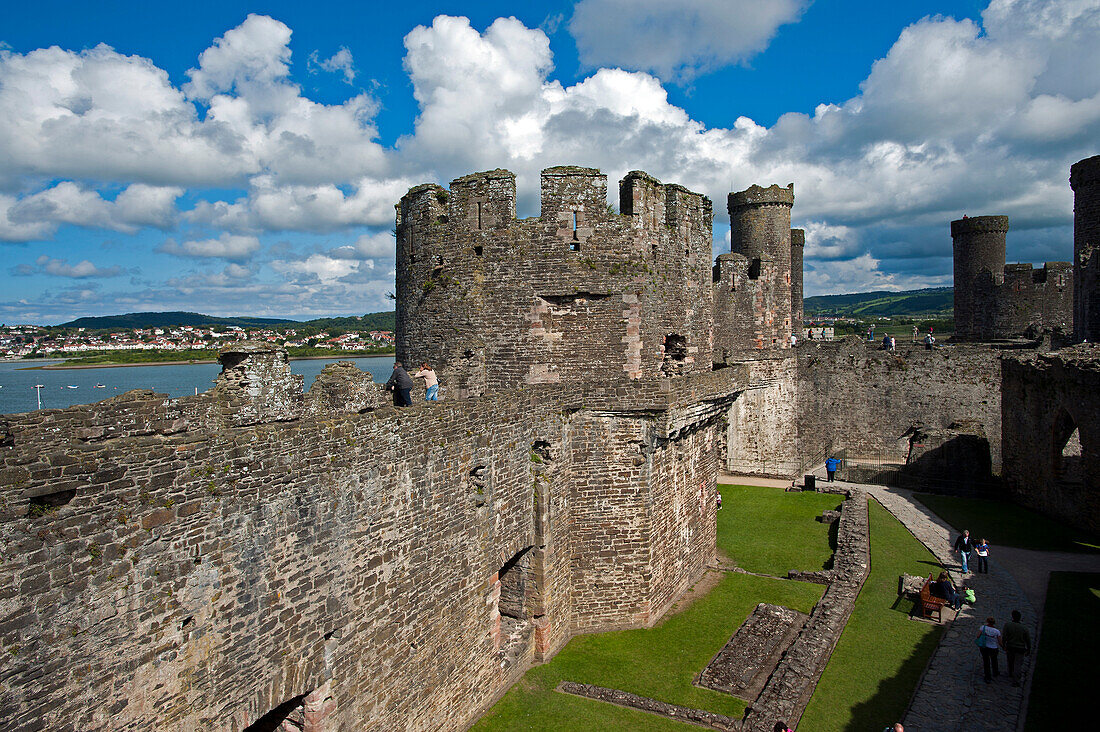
[661, 662]
[770, 531]
[1008, 524]
[1061, 693]
[658, 662]
[881, 654]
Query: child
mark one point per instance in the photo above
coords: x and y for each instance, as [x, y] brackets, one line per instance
[983, 556]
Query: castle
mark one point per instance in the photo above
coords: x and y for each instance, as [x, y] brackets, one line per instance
[996, 301]
[256, 556]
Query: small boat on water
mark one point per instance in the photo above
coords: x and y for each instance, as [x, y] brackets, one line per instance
[70, 386]
[100, 386]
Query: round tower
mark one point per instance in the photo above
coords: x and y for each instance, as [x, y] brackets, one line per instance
[1084, 179]
[760, 230]
[798, 245]
[978, 244]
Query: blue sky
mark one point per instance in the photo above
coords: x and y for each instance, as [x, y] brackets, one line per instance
[244, 158]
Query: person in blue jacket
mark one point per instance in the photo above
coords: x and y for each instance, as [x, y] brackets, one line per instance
[830, 468]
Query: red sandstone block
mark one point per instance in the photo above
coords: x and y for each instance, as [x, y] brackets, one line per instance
[157, 518]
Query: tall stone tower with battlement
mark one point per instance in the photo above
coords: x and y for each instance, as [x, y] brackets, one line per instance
[798, 246]
[753, 283]
[996, 301]
[1084, 178]
[494, 302]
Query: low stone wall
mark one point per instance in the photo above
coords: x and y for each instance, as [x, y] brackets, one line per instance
[664, 709]
[791, 685]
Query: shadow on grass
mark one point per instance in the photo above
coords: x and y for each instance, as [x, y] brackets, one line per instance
[893, 694]
[1062, 695]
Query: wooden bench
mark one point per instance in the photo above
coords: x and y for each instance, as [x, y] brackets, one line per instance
[929, 603]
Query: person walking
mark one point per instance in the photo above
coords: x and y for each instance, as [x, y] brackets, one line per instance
[893, 343]
[916, 333]
[1016, 641]
[963, 547]
[830, 468]
[929, 341]
[989, 642]
[982, 550]
[431, 383]
[401, 384]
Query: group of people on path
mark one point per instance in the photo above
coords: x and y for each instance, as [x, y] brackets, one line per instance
[1014, 639]
[401, 384]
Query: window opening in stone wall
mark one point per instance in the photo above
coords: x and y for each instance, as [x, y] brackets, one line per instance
[514, 576]
[479, 215]
[290, 716]
[478, 483]
[1068, 451]
[576, 245]
[478, 250]
[47, 504]
[754, 269]
[540, 452]
[676, 351]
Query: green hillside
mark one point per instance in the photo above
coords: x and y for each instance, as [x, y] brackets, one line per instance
[928, 302]
[370, 321]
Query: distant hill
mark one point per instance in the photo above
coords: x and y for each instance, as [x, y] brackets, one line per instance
[370, 321]
[923, 303]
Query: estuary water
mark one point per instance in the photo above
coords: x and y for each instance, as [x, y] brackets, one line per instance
[17, 380]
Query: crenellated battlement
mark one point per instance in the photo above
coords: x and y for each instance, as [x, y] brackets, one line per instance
[995, 300]
[493, 301]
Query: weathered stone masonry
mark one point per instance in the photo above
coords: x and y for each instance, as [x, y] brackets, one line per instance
[998, 301]
[256, 552]
[168, 567]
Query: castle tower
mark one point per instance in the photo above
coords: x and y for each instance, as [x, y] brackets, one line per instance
[978, 244]
[1084, 179]
[760, 231]
[798, 245]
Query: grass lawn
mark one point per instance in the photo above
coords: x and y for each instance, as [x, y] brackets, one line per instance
[770, 531]
[1061, 694]
[658, 662]
[1008, 524]
[881, 654]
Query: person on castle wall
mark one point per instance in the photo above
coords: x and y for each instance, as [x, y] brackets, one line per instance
[963, 546]
[401, 384]
[781, 726]
[431, 383]
[830, 468]
[794, 340]
[893, 344]
[929, 341]
[886, 341]
[1017, 642]
[989, 642]
[916, 333]
[982, 550]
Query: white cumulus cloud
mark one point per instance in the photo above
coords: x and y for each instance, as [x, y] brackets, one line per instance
[676, 40]
[227, 246]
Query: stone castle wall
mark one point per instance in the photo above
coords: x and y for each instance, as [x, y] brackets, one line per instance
[1051, 417]
[995, 301]
[1085, 181]
[186, 564]
[857, 397]
[578, 293]
[753, 282]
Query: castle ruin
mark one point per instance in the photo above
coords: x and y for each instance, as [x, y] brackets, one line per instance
[256, 555]
[995, 301]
